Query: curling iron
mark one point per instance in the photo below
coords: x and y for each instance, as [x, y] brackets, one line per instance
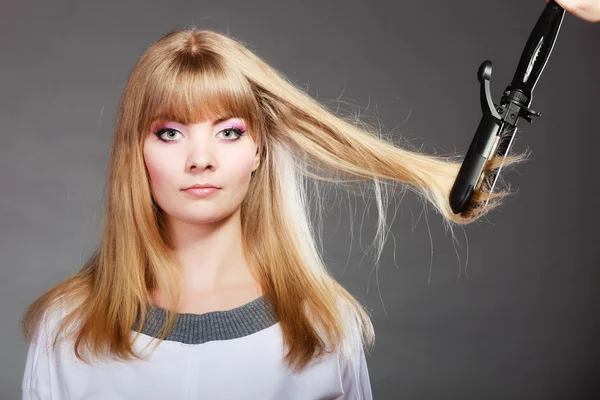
[498, 125]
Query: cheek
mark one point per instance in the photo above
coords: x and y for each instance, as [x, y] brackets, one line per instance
[154, 172]
[151, 167]
[157, 168]
[243, 163]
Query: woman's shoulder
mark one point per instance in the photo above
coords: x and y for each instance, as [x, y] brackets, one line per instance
[50, 324]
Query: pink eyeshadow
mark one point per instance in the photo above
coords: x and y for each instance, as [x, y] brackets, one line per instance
[239, 126]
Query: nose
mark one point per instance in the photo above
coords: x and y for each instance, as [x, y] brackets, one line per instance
[200, 155]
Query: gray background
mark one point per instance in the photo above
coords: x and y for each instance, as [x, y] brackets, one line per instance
[521, 326]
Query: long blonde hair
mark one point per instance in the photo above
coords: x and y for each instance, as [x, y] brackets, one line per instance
[194, 75]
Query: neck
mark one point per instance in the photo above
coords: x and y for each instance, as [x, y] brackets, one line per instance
[210, 255]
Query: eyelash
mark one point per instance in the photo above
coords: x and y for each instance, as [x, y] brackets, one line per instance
[160, 131]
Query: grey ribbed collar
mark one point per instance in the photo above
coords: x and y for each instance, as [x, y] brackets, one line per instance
[216, 325]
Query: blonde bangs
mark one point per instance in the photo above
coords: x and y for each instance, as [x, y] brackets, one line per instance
[199, 86]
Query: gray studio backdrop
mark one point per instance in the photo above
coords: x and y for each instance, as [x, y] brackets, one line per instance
[519, 323]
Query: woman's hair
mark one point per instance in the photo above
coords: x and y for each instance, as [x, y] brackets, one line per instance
[194, 75]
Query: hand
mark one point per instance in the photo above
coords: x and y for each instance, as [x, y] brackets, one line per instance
[588, 10]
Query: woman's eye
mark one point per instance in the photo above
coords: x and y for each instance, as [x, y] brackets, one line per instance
[235, 131]
[169, 131]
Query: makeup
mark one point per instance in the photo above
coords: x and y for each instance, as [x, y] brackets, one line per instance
[201, 192]
[237, 126]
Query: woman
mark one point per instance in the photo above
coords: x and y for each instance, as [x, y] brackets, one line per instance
[226, 281]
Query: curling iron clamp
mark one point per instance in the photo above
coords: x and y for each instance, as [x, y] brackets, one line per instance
[498, 124]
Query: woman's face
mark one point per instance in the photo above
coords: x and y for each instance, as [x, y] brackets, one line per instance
[178, 156]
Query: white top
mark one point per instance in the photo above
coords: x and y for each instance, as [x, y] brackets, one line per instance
[230, 355]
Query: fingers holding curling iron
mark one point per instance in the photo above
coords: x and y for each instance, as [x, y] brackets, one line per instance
[588, 10]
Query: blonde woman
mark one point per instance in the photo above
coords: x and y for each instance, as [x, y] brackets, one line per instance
[208, 282]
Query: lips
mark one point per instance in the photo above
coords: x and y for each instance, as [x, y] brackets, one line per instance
[201, 192]
[202, 186]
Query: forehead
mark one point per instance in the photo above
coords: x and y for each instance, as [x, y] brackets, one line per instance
[191, 91]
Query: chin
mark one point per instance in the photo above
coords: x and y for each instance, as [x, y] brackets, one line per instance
[207, 216]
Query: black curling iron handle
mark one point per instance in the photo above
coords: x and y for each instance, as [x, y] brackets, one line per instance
[537, 50]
